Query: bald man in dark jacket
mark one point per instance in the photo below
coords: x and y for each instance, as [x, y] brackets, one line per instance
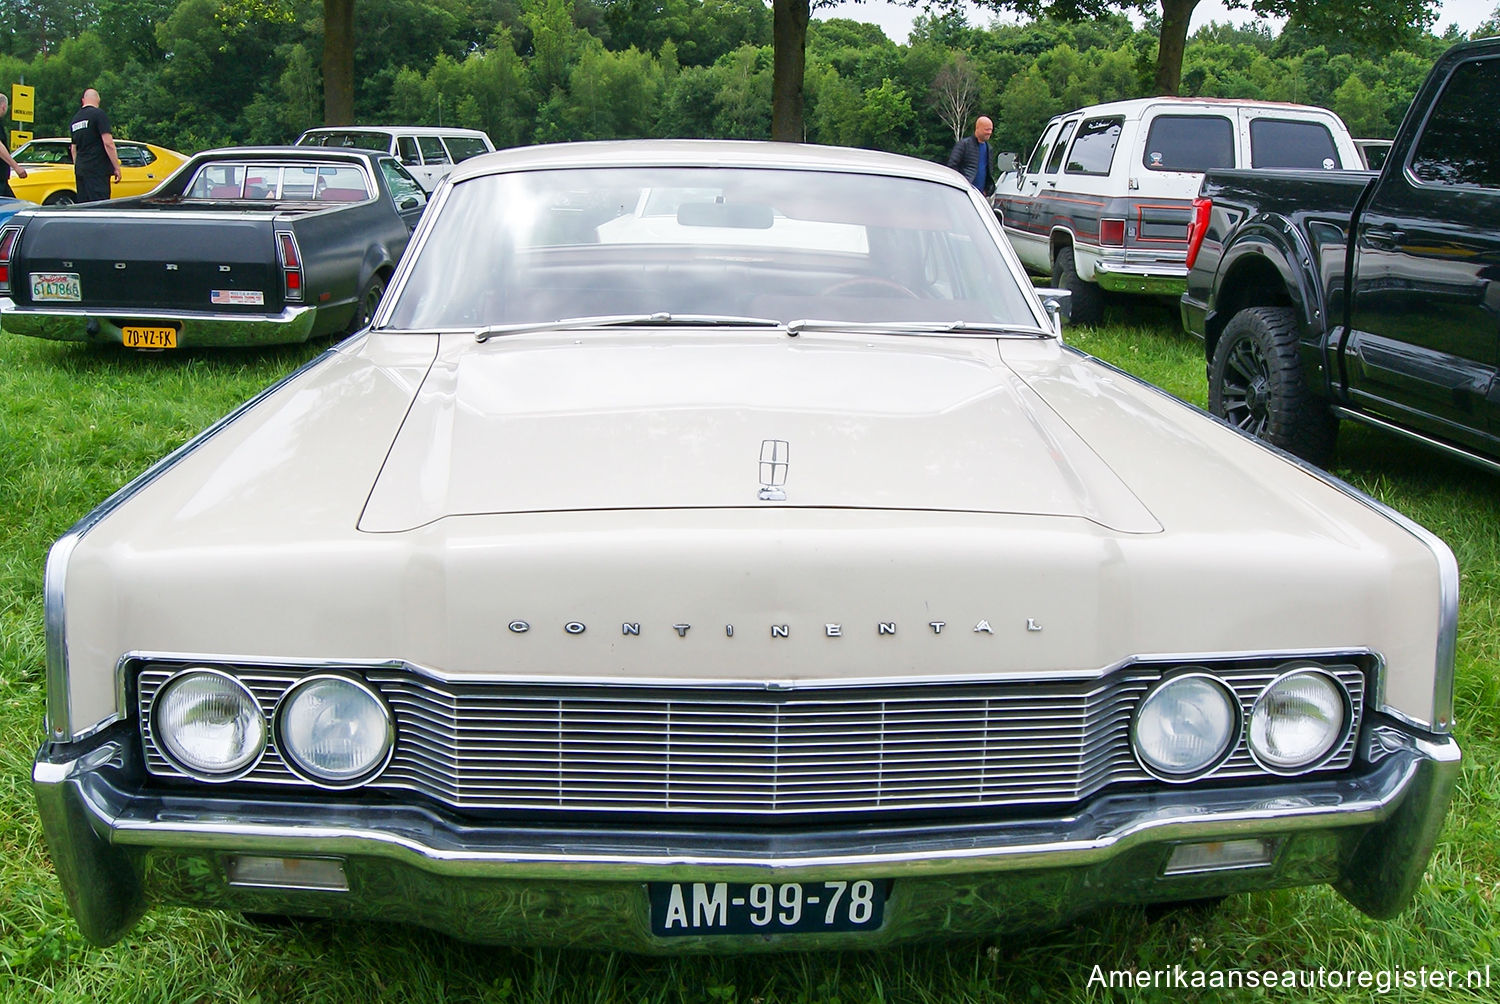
[971, 156]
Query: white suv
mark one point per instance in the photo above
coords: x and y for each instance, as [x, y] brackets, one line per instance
[1105, 201]
[427, 152]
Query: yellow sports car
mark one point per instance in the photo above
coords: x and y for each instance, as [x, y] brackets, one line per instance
[49, 170]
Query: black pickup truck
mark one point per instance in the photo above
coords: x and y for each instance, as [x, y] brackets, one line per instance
[240, 246]
[1363, 295]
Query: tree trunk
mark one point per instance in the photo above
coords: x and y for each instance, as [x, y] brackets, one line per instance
[1175, 15]
[338, 62]
[789, 41]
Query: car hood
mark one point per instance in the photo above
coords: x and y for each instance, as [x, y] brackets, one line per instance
[672, 420]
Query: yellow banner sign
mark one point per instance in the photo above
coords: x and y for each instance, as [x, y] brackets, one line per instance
[19, 139]
[22, 103]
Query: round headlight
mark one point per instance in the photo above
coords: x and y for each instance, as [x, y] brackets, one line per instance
[209, 724]
[1185, 726]
[335, 729]
[1298, 720]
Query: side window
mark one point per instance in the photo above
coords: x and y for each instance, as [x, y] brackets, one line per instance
[1094, 149]
[1291, 143]
[133, 156]
[402, 185]
[1188, 143]
[406, 149]
[1043, 147]
[461, 148]
[432, 150]
[1459, 144]
[1054, 161]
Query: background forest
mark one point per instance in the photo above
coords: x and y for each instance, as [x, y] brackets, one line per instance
[189, 74]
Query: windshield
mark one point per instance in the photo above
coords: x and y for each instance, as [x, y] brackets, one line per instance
[539, 246]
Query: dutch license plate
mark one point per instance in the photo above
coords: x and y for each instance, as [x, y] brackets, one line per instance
[56, 286]
[140, 336]
[679, 908]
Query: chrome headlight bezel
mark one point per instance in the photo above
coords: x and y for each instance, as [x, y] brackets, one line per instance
[170, 748]
[1226, 749]
[295, 760]
[1340, 735]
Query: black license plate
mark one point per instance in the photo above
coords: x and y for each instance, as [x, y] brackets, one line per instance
[679, 908]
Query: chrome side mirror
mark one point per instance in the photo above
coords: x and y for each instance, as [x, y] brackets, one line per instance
[1059, 306]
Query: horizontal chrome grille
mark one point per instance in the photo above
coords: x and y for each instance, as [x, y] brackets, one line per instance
[494, 746]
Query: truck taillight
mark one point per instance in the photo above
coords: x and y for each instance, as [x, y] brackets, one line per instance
[1198, 227]
[9, 238]
[291, 265]
[1112, 233]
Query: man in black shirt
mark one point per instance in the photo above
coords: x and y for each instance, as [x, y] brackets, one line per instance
[971, 156]
[94, 158]
[6, 160]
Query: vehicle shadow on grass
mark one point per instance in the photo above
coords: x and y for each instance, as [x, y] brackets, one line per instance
[93, 359]
[386, 962]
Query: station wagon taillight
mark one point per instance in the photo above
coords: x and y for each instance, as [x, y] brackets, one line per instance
[1198, 227]
[291, 265]
[1112, 233]
[9, 238]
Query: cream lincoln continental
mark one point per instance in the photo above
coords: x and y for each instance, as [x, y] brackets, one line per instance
[715, 547]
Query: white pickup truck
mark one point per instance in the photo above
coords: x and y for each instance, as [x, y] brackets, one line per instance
[1105, 202]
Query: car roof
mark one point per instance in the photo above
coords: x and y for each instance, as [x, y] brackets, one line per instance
[413, 130]
[291, 153]
[702, 153]
[1133, 107]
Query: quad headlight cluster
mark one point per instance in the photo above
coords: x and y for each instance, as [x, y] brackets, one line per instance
[1190, 723]
[333, 730]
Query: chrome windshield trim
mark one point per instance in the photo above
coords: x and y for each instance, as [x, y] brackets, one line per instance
[54, 582]
[1445, 657]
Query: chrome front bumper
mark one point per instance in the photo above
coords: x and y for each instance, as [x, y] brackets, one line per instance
[118, 850]
[194, 329]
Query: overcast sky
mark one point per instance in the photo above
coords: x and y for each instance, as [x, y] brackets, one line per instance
[896, 20]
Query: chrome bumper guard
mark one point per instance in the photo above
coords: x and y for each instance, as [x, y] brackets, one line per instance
[117, 850]
[194, 329]
[1151, 276]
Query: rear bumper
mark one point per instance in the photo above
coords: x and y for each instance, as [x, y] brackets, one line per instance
[118, 849]
[1120, 274]
[194, 329]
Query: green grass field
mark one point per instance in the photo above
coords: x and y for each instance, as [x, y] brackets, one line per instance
[75, 424]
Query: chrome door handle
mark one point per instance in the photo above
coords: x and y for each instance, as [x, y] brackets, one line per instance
[1386, 240]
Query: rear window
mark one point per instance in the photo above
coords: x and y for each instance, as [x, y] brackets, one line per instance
[1460, 145]
[352, 139]
[226, 181]
[1189, 143]
[463, 147]
[1291, 143]
[1094, 149]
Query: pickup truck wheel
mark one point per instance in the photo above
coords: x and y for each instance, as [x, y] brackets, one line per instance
[369, 300]
[1086, 299]
[1255, 383]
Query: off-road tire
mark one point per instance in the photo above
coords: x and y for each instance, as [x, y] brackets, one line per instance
[1086, 299]
[1255, 383]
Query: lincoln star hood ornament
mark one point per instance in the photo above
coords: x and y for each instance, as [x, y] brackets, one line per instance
[773, 463]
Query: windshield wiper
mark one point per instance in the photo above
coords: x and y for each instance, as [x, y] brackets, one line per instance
[661, 319]
[795, 328]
